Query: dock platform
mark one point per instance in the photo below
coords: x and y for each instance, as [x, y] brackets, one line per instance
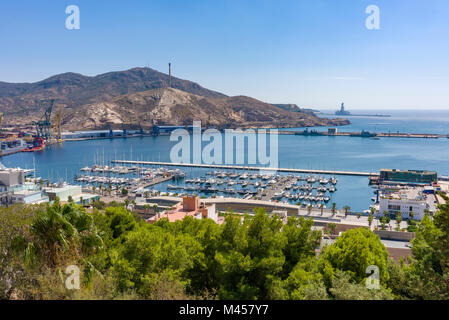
[370, 134]
[248, 168]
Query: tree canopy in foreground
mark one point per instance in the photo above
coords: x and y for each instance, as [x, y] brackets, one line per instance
[247, 257]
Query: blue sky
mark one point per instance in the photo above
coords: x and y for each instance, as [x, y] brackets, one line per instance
[314, 53]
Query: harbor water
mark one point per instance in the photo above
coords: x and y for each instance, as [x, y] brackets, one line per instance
[63, 162]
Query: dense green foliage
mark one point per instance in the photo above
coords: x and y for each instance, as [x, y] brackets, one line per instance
[250, 257]
[428, 276]
[354, 251]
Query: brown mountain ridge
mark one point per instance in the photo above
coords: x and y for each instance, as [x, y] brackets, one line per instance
[140, 96]
[74, 90]
[169, 106]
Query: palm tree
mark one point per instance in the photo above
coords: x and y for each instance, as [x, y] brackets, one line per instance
[398, 220]
[370, 219]
[322, 208]
[155, 207]
[309, 209]
[59, 230]
[346, 208]
[146, 194]
[334, 208]
[385, 218]
[126, 203]
[52, 234]
[382, 222]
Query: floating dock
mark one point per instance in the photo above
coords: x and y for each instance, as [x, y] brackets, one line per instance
[248, 168]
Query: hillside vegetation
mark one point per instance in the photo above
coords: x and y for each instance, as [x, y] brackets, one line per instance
[122, 257]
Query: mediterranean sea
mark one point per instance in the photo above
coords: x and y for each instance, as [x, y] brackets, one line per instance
[63, 162]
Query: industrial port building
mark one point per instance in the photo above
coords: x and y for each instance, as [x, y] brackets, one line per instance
[408, 176]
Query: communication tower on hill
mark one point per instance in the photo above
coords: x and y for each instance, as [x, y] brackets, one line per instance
[169, 74]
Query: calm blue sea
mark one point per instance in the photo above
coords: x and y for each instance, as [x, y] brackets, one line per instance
[410, 121]
[339, 153]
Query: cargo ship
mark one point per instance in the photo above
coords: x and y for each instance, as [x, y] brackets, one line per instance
[38, 144]
[14, 146]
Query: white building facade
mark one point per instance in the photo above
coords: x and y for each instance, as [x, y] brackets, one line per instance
[403, 206]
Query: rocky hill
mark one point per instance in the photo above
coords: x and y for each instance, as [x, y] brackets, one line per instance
[288, 107]
[168, 106]
[74, 90]
[295, 108]
[141, 96]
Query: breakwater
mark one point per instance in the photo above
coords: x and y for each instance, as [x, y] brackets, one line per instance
[248, 168]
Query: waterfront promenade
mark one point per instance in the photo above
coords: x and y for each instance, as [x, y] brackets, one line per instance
[320, 216]
[248, 168]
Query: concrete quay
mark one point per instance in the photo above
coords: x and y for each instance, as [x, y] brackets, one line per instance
[248, 168]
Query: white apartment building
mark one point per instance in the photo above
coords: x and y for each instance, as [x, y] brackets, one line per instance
[404, 202]
[14, 189]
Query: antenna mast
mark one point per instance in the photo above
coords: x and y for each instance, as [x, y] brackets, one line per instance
[169, 74]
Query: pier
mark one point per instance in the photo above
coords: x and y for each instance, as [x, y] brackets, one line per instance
[248, 168]
[154, 182]
[274, 189]
[366, 134]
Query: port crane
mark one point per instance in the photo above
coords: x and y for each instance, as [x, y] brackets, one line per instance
[56, 125]
[141, 129]
[43, 126]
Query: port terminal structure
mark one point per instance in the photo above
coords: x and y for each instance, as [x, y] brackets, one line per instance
[248, 168]
[365, 134]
